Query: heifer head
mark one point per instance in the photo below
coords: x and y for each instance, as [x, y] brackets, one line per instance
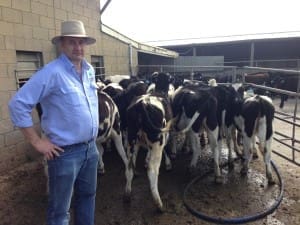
[178, 81]
[237, 95]
[161, 81]
[113, 90]
[100, 85]
[277, 81]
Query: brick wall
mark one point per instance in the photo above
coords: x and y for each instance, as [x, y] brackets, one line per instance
[29, 25]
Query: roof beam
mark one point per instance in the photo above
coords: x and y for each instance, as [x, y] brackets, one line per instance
[140, 47]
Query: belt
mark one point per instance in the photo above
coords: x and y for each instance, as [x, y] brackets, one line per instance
[78, 144]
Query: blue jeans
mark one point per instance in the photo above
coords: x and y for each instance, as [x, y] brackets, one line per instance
[74, 171]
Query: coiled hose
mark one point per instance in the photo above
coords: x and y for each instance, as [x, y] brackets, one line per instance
[236, 220]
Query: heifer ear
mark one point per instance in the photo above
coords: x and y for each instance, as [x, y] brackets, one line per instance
[154, 77]
[241, 91]
[171, 78]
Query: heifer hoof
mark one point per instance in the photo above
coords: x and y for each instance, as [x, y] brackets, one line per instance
[169, 167]
[239, 153]
[230, 166]
[127, 198]
[173, 156]
[243, 158]
[255, 156]
[186, 151]
[244, 171]
[192, 169]
[160, 209]
[271, 180]
[218, 179]
[146, 165]
[137, 173]
[101, 171]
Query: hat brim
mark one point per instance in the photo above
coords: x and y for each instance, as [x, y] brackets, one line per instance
[88, 40]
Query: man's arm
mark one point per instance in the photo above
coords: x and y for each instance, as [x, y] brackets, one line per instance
[42, 145]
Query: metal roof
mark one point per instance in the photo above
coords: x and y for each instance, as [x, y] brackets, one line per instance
[230, 39]
[139, 46]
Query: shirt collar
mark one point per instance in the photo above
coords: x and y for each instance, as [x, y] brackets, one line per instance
[70, 65]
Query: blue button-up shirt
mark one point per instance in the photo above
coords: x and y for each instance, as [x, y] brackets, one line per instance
[69, 104]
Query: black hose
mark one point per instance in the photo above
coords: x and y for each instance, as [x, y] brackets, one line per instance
[236, 220]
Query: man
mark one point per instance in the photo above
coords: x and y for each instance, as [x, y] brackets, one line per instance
[67, 92]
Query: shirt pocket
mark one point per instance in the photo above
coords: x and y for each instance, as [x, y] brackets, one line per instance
[72, 96]
[93, 93]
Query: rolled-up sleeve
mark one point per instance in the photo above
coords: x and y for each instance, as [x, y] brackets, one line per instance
[20, 113]
[21, 104]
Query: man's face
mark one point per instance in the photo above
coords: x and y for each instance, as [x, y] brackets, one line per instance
[73, 47]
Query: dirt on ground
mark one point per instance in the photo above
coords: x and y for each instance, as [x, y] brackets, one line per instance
[23, 198]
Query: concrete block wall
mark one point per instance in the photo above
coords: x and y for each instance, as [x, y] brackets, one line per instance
[29, 25]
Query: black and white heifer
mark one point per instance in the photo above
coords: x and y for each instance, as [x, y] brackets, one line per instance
[255, 120]
[211, 107]
[123, 98]
[150, 120]
[109, 128]
[230, 100]
[157, 87]
[194, 109]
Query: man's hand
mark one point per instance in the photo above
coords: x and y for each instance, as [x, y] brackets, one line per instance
[42, 145]
[49, 150]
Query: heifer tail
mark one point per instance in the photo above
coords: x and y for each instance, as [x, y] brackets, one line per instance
[153, 126]
[195, 116]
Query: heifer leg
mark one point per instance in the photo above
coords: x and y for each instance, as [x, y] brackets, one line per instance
[283, 98]
[236, 146]
[117, 138]
[265, 148]
[134, 154]
[254, 149]
[229, 138]
[213, 143]
[153, 172]
[248, 145]
[129, 175]
[196, 148]
[267, 159]
[173, 144]
[188, 142]
[147, 159]
[168, 163]
[125, 141]
[101, 169]
[239, 138]
[202, 140]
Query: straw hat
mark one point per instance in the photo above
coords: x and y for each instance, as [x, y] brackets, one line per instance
[73, 28]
